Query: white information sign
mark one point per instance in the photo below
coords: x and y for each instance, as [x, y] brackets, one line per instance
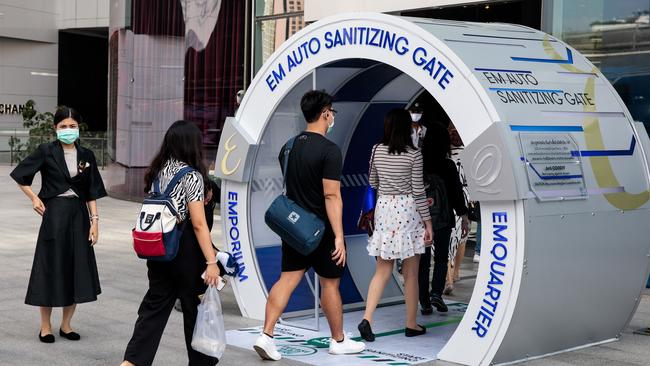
[553, 166]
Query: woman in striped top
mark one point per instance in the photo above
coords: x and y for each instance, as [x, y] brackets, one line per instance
[402, 219]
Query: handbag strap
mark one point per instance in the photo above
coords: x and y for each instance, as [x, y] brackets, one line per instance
[287, 151]
[372, 157]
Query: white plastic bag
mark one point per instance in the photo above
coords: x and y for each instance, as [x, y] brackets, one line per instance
[209, 335]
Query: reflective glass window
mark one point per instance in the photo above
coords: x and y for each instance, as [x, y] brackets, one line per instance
[615, 36]
[276, 7]
[171, 60]
[270, 34]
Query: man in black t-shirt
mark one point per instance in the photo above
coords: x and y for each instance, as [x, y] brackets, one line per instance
[312, 159]
[313, 182]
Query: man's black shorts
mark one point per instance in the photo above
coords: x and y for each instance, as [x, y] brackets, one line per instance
[320, 259]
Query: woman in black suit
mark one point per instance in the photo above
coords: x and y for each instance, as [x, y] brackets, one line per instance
[64, 272]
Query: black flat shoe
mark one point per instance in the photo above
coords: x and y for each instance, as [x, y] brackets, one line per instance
[415, 332]
[366, 331]
[427, 310]
[70, 336]
[48, 338]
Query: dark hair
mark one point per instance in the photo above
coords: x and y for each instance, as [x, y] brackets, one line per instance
[313, 103]
[397, 131]
[63, 112]
[436, 146]
[416, 108]
[182, 142]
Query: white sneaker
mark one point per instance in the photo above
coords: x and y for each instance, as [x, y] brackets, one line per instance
[477, 258]
[347, 346]
[265, 347]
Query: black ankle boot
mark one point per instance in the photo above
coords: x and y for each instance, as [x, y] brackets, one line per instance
[439, 303]
[426, 310]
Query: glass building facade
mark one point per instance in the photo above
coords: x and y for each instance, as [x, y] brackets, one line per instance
[615, 36]
[187, 59]
[170, 60]
[275, 22]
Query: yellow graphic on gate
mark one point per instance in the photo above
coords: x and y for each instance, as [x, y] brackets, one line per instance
[600, 165]
[224, 162]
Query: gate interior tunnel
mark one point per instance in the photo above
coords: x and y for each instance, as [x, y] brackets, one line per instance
[364, 91]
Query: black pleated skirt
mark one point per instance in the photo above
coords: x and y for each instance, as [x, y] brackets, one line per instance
[64, 270]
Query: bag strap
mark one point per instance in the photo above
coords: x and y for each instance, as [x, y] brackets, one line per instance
[156, 186]
[287, 151]
[177, 177]
[372, 157]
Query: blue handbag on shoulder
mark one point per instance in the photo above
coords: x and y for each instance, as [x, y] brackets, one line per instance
[366, 220]
[299, 228]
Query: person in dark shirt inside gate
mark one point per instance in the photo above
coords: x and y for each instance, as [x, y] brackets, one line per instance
[313, 182]
[435, 152]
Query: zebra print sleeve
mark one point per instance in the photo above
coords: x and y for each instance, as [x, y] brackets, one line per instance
[193, 187]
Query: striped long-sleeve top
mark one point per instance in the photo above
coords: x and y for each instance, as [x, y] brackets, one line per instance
[399, 174]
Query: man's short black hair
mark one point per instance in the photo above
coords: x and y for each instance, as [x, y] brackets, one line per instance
[313, 103]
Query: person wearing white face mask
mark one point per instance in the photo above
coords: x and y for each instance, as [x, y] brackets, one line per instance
[64, 273]
[418, 131]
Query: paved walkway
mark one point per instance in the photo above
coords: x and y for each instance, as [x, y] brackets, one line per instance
[106, 325]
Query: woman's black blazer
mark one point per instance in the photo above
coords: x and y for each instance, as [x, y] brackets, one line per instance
[48, 158]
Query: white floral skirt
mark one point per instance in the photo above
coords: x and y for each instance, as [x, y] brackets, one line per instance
[399, 231]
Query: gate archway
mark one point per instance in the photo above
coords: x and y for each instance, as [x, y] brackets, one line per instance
[552, 154]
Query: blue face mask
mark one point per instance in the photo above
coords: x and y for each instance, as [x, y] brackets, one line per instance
[330, 127]
[68, 135]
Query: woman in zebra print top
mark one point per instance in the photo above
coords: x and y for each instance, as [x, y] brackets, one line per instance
[181, 277]
[189, 189]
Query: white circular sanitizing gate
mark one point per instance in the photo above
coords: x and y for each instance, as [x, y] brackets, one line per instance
[552, 154]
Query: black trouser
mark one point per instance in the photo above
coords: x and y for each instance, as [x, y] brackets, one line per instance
[441, 239]
[180, 278]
